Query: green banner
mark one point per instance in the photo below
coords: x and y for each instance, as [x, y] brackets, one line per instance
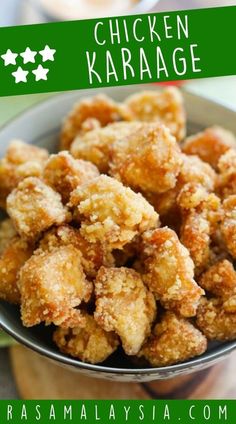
[118, 412]
[117, 51]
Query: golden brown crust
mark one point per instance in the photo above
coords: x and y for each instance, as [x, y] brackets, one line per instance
[201, 216]
[100, 110]
[228, 226]
[34, 207]
[22, 160]
[215, 322]
[174, 340]
[226, 183]
[124, 305]
[64, 173]
[12, 258]
[170, 272]
[164, 107]
[52, 284]
[7, 232]
[210, 144]
[93, 255]
[89, 343]
[193, 170]
[148, 160]
[96, 145]
[110, 212]
[220, 281]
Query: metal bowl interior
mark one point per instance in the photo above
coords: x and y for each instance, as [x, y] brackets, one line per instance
[40, 125]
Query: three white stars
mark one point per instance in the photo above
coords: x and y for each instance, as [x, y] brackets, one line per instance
[28, 56]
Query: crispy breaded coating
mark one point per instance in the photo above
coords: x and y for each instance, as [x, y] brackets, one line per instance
[34, 207]
[99, 110]
[93, 255]
[148, 160]
[226, 183]
[64, 173]
[210, 144]
[12, 258]
[193, 170]
[201, 216]
[124, 305]
[52, 285]
[22, 160]
[89, 344]
[7, 232]
[164, 107]
[170, 272]
[228, 225]
[215, 322]
[95, 146]
[110, 212]
[174, 340]
[220, 280]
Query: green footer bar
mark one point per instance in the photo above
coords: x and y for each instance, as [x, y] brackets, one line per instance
[119, 412]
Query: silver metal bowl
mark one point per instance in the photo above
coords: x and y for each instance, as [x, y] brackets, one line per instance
[40, 125]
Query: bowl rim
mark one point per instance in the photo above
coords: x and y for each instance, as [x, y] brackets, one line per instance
[207, 358]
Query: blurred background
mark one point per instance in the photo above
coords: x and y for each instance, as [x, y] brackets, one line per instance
[14, 12]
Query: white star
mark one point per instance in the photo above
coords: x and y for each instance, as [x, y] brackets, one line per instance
[20, 75]
[28, 56]
[47, 54]
[9, 58]
[40, 73]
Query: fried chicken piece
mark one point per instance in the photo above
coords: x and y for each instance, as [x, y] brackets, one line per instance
[100, 110]
[12, 258]
[170, 272]
[228, 225]
[226, 184]
[64, 173]
[7, 232]
[193, 170]
[95, 146]
[220, 280]
[89, 344]
[174, 340]
[215, 322]
[111, 213]
[52, 285]
[165, 107]
[148, 160]
[124, 305]
[201, 216]
[34, 207]
[93, 255]
[210, 144]
[22, 160]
